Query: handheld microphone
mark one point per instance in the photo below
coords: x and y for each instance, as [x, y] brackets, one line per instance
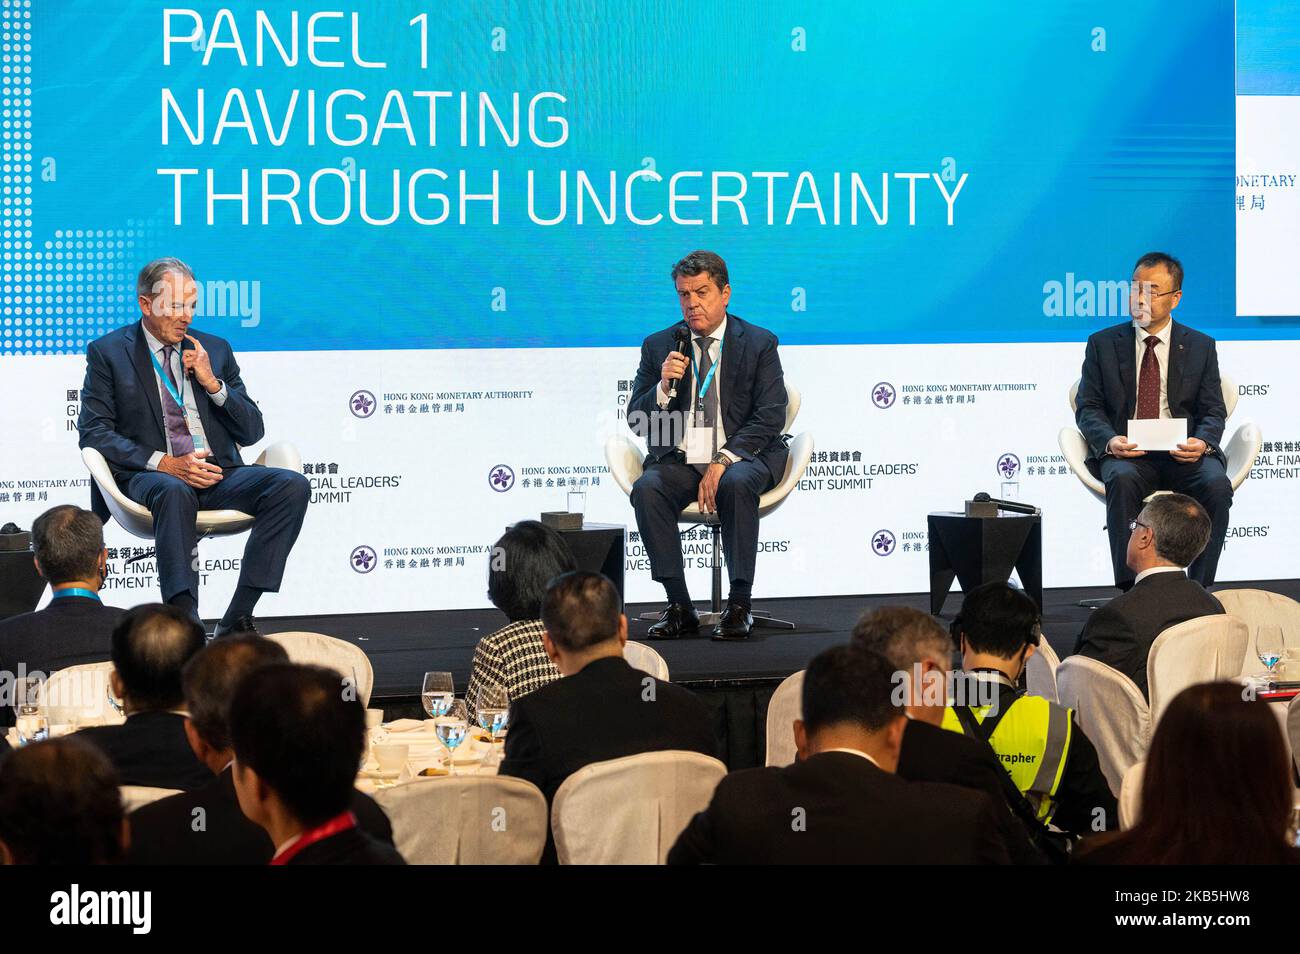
[1011, 506]
[681, 342]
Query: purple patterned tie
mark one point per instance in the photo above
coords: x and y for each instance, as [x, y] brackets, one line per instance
[178, 432]
[1148, 402]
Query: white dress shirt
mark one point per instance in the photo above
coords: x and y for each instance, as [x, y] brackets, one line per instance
[857, 752]
[1152, 571]
[191, 408]
[715, 352]
[1162, 357]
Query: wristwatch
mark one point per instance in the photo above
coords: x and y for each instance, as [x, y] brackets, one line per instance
[723, 459]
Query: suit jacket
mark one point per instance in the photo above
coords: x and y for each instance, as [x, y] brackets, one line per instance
[752, 396]
[121, 411]
[933, 754]
[162, 832]
[1120, 633]
[351, 847]
[150, 748]
[851, 812]
[70, 631]
[1107, 398]
[597, 714]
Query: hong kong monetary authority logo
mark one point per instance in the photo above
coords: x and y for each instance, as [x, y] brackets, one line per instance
[362, 404]
[883, 395]
[363, 559]
[501, 478]
[1008, 466]
[883, 543]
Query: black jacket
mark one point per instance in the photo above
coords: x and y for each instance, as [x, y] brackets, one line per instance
[150, 748]
[207, 827]
[1120, 633]
[839, 808]
[1107, 398]
[351, 847]
[752, 395]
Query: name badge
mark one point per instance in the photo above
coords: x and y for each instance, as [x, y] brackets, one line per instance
[199, 444]
[699, 445]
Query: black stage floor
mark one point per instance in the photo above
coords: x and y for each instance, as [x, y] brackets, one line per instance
[403, 646]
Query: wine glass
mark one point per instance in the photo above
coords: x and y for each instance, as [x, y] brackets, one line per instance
[437, 693]
[30, 720]
[1270, 646]
[451, 728]
[493, 711]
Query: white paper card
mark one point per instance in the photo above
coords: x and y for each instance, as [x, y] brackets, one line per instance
[1158, 433]
[699, 445]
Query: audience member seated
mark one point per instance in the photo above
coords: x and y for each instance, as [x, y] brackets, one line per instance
[164, 832]
[920, 650]
[76, 627]
[527, 557]
[603, 709]
[1051, 761]
[1167, 536]
[60, 805]
[150, 647]
[298, 739]
[843, 802]
[1216, 788]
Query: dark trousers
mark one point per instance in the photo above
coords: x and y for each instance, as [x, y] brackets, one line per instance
[1130, 481]
[276, 498]
[666, 487]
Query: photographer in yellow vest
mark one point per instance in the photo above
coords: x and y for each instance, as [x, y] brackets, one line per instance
[1038, 742]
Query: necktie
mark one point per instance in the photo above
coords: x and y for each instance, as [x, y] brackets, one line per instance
[1148, 404]
[709, 403]
[178, 432]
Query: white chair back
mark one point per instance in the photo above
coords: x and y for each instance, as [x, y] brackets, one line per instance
[345, 658]
[1110, 711]
[134, 796]
[1258, 608]
[1040, 671]
[1130, 795]
[1205, 649]
[81, 694]
[630, 811]
[467, 820]
[646, 658]
[783, 708]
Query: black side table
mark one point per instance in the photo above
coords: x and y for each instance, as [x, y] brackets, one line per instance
[600, 548]
[20, 585]
[978, 550]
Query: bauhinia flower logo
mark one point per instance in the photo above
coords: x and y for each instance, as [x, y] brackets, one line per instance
[883, 543]
[1008, 466]
[501, 478]
[362, 404]
[363, 559]
[883, 394]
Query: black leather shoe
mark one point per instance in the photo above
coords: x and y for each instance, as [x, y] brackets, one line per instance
[735, 622]
[243, 625]
[678, 620]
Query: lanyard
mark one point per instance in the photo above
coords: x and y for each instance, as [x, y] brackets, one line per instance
[708, 378]
[177, 396]
[338, 823]
[75, 591]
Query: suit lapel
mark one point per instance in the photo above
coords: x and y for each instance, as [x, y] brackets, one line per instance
[1174, 375]
[144, 369]
[733, 356]
[1124, 347]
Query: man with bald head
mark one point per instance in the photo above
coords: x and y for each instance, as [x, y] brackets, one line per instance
[150, 648]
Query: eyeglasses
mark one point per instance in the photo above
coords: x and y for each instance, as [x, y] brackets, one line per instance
[1135, 290]
[1134, 524]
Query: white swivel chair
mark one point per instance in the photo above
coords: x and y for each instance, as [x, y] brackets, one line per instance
[347, 659]
[467, 820]
[1040, 671]
[646, 658]
[783, 708]
[629, 811]
[136, 519]
[82, 693]
[1239, 451]
[626, 460]
[1258, 608]
[1111, 712]
[1205, 649]
[1130, 795]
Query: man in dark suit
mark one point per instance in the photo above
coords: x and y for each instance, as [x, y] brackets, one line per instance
[842, 802]
[150, 647]
[601, 709]
[298, 737]
[718, 442]
[76, 627]
[164, 832]
[168, 411]
[1152, 367]
[1167, 536]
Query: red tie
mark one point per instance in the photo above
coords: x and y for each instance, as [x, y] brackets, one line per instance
[1149, 382]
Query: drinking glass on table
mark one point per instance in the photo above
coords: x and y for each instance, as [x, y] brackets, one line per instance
[30, 720]
[437, 693]
[1270, 646]
[451, 728]
[493, 709]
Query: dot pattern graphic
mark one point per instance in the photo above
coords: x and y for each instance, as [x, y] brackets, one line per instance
[59, 293]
